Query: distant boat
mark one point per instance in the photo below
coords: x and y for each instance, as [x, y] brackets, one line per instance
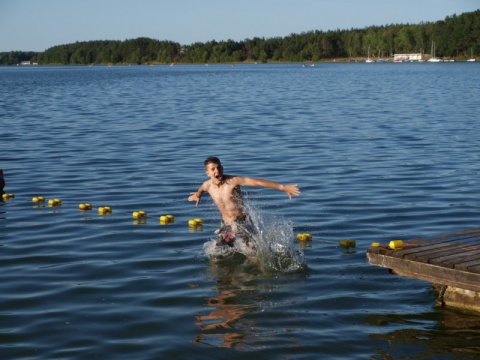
[433, 58]
[471, 56]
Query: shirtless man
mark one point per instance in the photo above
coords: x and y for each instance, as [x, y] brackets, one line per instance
[225, 193]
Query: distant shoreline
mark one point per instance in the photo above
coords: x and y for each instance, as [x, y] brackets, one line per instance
[453, 38]
[300, 63]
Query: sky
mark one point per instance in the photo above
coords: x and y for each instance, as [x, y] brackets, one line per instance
[36, 25]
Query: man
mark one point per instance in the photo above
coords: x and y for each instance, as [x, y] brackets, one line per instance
[225, 193]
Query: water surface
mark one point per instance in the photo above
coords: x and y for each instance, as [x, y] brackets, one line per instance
[379, 151]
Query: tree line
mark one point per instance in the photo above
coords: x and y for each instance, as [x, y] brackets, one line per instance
[455, 37]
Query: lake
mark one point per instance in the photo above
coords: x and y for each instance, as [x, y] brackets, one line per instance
[379, 151]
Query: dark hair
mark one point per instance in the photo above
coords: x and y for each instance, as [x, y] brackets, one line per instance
[212, 160]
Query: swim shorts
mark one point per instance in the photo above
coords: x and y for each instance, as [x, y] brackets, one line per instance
[231, 231]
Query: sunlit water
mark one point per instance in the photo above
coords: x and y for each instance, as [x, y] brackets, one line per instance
[379, 151]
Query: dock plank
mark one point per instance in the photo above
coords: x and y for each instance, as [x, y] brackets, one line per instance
[467, 236]
[428, 254]
[475, 268]
[465, 266]
[413, 250]
[451, 259]
[456, 259]
[428, 272]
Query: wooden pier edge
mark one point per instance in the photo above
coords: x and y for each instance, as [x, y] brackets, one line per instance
[458, 285]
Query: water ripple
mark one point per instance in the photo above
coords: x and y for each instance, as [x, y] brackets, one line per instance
[379, 152]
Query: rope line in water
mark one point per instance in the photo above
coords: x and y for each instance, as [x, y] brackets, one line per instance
[42, 202]
[140, 216]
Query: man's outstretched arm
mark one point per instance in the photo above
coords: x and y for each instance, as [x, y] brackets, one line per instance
[291, 189]
[195, 196]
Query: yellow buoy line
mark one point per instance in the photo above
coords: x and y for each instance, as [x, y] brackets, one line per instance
[194, 224]
[102, 210]
[139, 215]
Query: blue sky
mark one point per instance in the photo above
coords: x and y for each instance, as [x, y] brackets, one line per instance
[36, 25]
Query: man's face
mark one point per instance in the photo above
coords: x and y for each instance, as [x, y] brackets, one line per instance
[214, 172]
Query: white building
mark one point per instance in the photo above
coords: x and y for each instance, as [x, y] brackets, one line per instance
[408, 57]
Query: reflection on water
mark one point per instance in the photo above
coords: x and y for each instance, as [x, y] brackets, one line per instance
[445, 334]
[224, 324]
[238, 314]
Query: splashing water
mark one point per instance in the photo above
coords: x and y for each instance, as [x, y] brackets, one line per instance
[274, 242]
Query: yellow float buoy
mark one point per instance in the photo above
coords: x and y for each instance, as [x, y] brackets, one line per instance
[198, 221]
[347, 243]
[35, 199]
[395, 244]
[139, 214]
[304, 237]
[82, 207]
[167, 219]
[54, 202]
[375, 244]
[192, 223]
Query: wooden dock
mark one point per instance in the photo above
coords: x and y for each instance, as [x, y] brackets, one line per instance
[450, 261]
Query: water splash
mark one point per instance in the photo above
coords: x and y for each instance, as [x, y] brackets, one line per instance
[275, 244]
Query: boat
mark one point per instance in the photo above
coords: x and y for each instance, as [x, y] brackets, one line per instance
[433, 58]
[471, 56]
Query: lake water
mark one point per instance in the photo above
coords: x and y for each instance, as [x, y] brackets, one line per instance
[379, 151]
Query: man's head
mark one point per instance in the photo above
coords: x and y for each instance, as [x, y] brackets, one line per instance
[214, 169]
[212, 160]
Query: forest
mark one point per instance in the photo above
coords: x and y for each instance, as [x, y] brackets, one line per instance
[455, 37]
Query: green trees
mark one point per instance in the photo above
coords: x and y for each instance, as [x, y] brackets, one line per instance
[455, 36]
[133, 51]
[16, 57]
